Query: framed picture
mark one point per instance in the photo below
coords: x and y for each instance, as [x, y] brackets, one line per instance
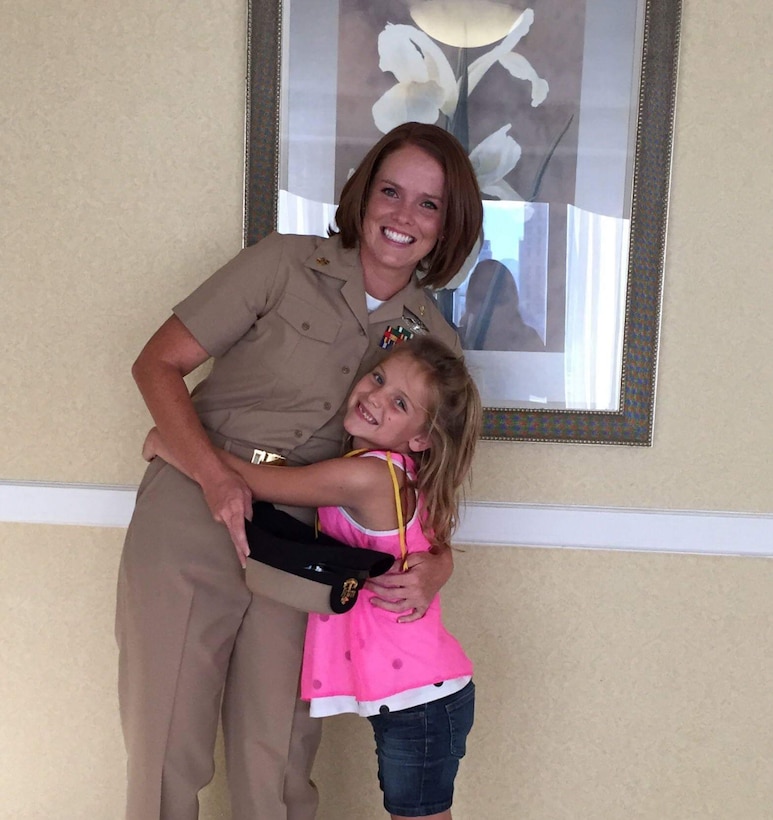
[566, 110]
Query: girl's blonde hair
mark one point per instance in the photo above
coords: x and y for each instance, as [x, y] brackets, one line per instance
[454, 423]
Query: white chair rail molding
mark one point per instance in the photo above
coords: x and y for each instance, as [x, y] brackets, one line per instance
[492, 524]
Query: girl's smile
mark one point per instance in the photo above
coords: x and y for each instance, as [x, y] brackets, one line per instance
[365, 415]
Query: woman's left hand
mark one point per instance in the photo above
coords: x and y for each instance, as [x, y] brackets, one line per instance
[412, 591]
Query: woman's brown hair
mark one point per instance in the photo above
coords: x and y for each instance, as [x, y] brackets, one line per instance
[463, 212]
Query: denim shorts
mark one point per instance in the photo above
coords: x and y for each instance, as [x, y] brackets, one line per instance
[419, 750]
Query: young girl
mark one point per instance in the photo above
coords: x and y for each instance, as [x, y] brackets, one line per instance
[413, 422]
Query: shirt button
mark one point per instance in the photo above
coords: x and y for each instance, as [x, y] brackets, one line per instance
[327, 405]
[305, 326]
[299, 434]
[345, 370]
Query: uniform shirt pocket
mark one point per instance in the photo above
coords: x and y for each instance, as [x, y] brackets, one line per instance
[305, 337]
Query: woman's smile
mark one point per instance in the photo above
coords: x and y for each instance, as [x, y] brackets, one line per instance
[394, 236]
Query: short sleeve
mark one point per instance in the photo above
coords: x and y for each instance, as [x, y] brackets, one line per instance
[225, 306]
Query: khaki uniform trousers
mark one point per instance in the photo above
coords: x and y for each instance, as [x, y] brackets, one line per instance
[192, 637]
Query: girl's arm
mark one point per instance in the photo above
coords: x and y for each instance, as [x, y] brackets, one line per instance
[363, 487]
[159, 372]
[360, 485]
[342, 482]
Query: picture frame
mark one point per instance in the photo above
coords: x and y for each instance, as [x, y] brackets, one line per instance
[652, 51]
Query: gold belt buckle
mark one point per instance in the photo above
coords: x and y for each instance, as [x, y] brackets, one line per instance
[264, 457]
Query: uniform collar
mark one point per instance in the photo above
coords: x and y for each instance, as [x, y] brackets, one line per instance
[412, 296]
[332, 259]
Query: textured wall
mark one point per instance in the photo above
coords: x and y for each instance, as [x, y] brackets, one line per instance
[122, 187]
[610, 685]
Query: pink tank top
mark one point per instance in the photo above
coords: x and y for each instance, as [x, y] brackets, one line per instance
[365, 653]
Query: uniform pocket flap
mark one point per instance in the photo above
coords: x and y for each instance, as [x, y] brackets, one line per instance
[308, 320]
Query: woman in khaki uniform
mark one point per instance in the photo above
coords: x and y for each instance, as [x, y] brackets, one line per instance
[291, 323]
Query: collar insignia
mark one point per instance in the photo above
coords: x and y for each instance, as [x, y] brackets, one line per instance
[412, 321]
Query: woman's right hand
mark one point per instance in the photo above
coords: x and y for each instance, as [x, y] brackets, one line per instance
[160, 369]
[230, 501]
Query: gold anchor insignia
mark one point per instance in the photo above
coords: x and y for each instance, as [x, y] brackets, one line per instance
[322, 261]
[421, 310]
[349, 590]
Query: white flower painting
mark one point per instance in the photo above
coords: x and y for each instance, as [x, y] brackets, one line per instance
[428, 90]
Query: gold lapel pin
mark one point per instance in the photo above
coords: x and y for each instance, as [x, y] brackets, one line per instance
[322, 261]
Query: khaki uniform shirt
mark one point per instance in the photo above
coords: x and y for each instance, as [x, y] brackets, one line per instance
[287, 325]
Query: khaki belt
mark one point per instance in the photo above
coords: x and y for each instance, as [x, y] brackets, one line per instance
[255, 455]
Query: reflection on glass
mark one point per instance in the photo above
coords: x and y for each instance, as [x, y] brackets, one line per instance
[501, 310]
[296, 214]
[596, 278]
[502, 305]
[492, 318]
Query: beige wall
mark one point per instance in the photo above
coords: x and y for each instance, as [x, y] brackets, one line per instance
[610, 685]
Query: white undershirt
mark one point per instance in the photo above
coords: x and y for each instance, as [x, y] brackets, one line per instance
[373, 303]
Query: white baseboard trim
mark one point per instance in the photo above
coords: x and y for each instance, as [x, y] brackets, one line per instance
[497, 524]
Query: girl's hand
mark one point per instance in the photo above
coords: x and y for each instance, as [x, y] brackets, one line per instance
[412, 591]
